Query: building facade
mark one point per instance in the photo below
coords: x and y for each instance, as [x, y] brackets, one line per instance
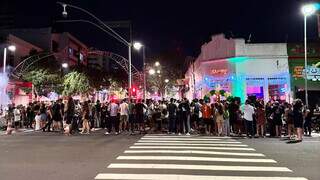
[240, 68]
[296, 68]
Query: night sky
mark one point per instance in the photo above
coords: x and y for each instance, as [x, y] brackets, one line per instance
[176, 26]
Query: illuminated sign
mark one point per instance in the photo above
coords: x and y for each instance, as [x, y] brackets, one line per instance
[313, 72]
[298, 72]
[219, 71]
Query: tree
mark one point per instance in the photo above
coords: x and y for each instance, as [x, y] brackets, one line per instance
[75, 83]
[43, 81]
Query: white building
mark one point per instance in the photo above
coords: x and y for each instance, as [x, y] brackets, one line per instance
[243, 69]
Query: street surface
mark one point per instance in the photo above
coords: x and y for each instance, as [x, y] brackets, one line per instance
[38, 155]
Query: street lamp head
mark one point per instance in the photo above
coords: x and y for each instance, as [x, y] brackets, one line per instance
[166, 80]
[309, 9]
[157, 63]
[12, 48]
[152, 71]
[65, 65]
[64, 12]
[158, 71]
[137, 45]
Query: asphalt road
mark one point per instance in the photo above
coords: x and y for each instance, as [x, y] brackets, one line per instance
[53, 156]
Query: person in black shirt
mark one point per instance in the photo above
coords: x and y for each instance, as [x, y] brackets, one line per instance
[70, 116]
[298, 119]
[172, 110]
[277, 118]
[184, 107]
[307, 123]
[30, 115]
[139, 114]
[98, 114]
[57, 115]
[104, 114]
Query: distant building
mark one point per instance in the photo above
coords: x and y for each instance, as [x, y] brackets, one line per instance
[65, 47]
[69, 49]
[98, 60]
[23, 49]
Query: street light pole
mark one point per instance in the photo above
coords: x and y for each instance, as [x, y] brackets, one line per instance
[305, 61]
[130, 77]
[307, 10]
[144, 74]
[113, 34]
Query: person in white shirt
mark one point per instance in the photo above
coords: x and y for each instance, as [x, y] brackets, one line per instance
[17, 117]
[114, 122]
[124, 115]
[248, 112]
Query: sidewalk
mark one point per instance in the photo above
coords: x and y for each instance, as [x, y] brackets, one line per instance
[22, 130]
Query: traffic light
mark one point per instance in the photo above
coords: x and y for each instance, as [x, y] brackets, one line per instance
[133, 91]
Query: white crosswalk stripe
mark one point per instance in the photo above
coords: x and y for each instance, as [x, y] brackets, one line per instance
[192, 152]
[190, 147]
[195, 142]
[199, 167]
[158, 157]
[189, 144]
[188, 177]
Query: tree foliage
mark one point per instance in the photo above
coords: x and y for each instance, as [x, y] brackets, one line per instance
[42, 80]
[75, 83]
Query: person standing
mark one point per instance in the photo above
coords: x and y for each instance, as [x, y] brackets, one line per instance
[226, 119]
[98, 114]
[30, 115]
[172, 110]
[70, 112]
[104, 114]
[185, 115]
[219, 118]
[85, 118]
[307, 122]
[207, 117]
[57, 115]
[124, 115]
[289, 120]
[49, 120]
[43, 114]
[114, 122]
[298, 119]
[277, 118]
[131, 112]
[261, 120]
[17, 117]
[10, 119]
[139, 110]
[248, 112]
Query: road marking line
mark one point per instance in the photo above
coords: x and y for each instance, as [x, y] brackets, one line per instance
[190, 144]
[182, 139]
[193, 152]
[199, 167]
[187, 177]
[210, 142]
[199, 137]
[188, 147]
[191, 158]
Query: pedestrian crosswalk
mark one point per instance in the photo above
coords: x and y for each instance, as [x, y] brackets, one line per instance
[157, 157]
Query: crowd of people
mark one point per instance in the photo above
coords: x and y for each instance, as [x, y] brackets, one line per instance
[253, 118]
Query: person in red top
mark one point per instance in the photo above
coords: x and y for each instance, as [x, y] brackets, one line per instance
[206, 111]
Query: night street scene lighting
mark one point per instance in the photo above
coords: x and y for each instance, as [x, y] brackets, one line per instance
[165, 90]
